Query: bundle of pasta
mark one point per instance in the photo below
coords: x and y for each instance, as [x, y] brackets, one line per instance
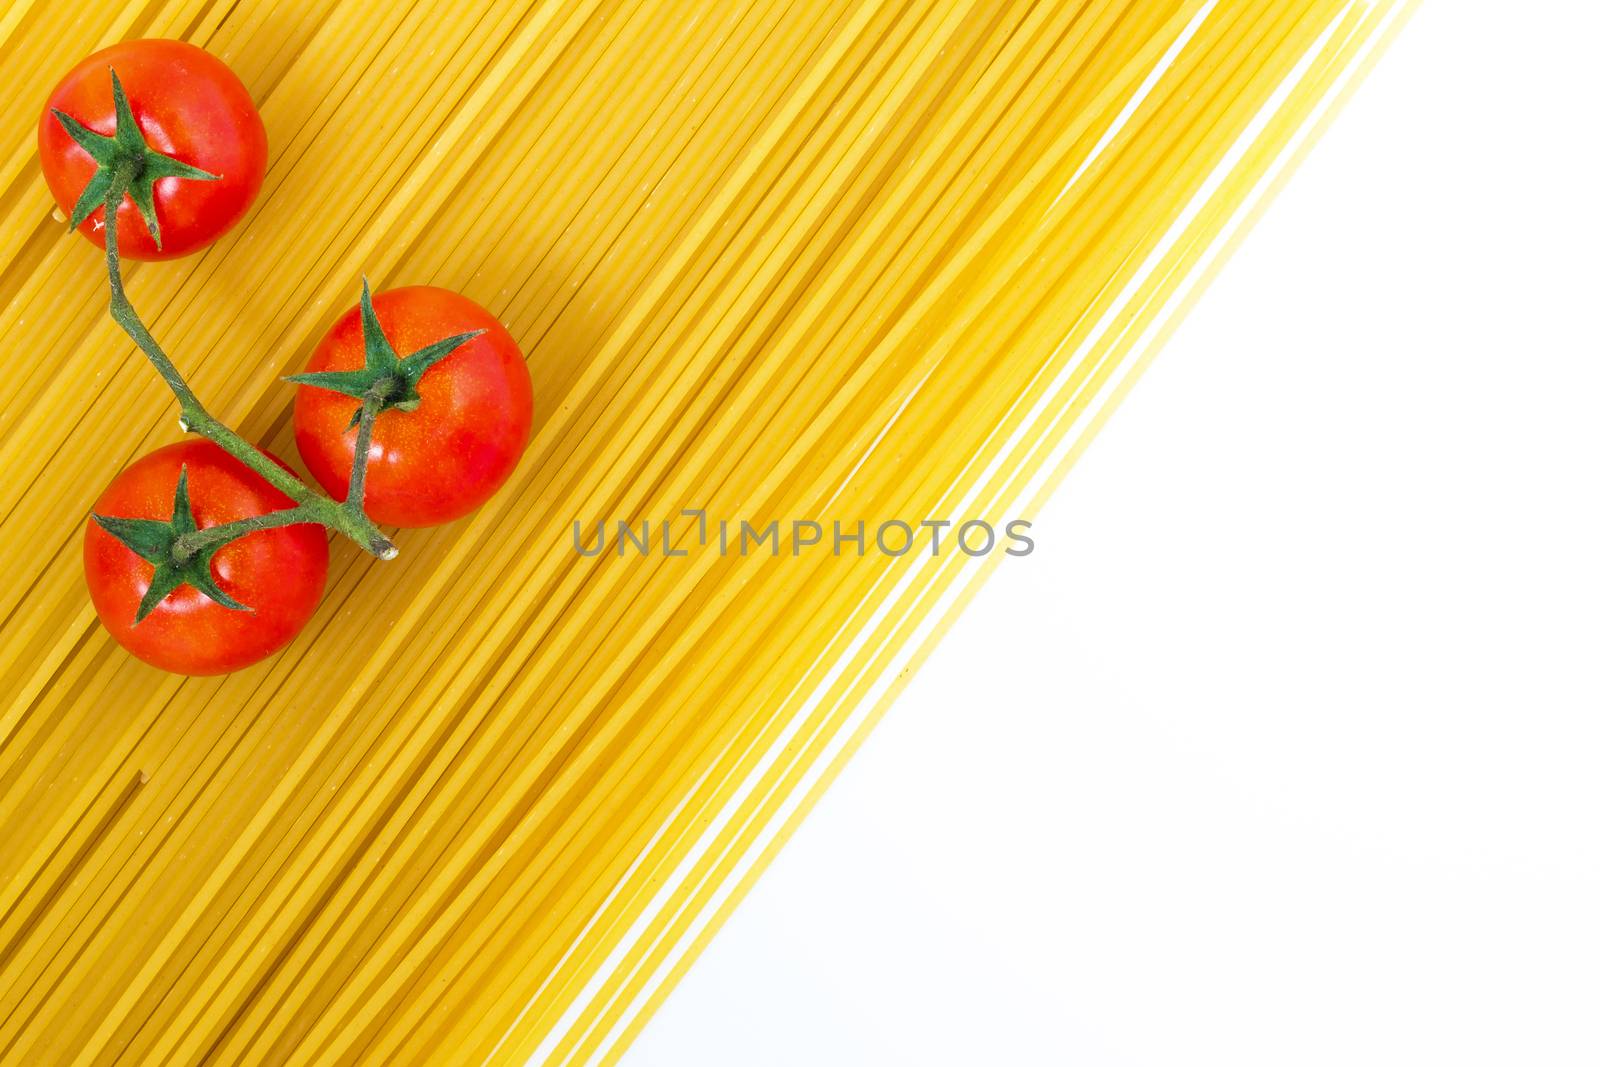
[827, 266]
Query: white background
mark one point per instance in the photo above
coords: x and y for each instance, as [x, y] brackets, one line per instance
[1284, 748]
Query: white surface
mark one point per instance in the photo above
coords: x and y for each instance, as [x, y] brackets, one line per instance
[1284, 748]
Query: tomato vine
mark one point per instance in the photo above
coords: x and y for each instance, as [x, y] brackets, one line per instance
[209, 554]
[128, 167]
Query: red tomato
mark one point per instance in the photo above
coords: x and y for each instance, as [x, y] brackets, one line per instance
[189, 106]
[278, 574]
[460, 444]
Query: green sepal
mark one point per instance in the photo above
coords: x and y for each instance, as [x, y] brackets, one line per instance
[387, 375]
[381, 356]
[163, 582]
[198, 574]
[94, 195]
[154, 541]
[149, 539]
[102, 149]
[182, 511]
[126, 146]
[354, 383]
[143, 196]
[423, 359]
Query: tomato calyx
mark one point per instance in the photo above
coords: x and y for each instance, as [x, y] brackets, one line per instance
[173, 547]
[388, 380]
[127, 153]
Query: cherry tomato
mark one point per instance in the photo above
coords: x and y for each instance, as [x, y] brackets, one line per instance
[277, 574]
[190, 107]
[463, 438]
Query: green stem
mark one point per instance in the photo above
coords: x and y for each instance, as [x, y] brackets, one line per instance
[188, 546]
[358, 464]
[194, 418]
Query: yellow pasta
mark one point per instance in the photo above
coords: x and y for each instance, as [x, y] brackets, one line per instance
[771, 261]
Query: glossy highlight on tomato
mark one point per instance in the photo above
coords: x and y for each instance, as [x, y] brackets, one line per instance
[189, 106]
[457, 446]
[279, 574]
